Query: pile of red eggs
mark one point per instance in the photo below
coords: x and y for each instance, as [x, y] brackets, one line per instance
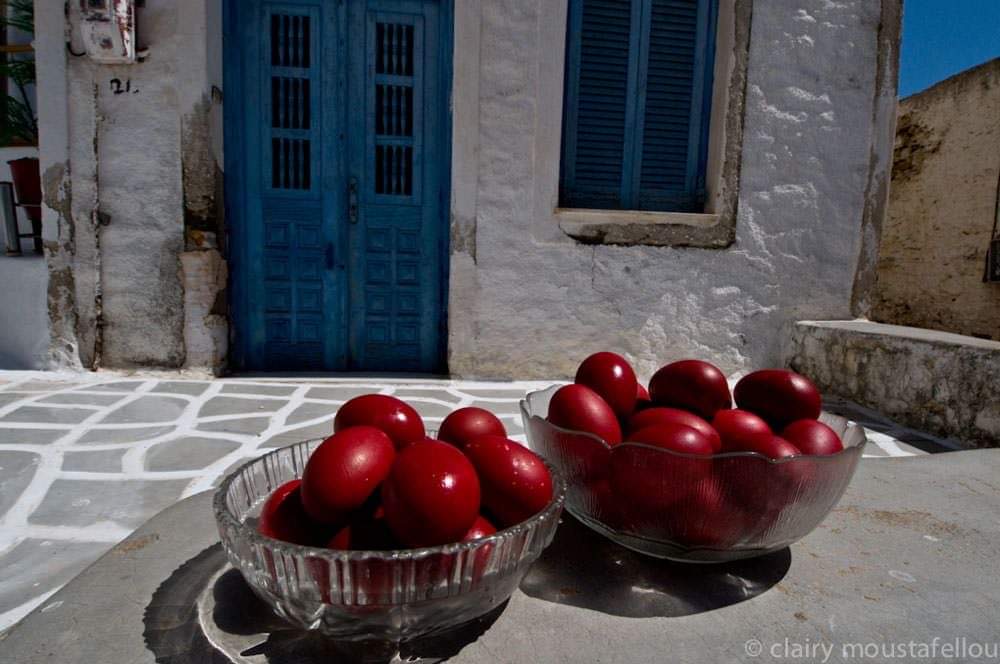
[693, 494]
[380, 483]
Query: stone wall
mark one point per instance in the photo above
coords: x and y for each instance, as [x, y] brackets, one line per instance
[942, 207]
[527, 301]
[935, 381]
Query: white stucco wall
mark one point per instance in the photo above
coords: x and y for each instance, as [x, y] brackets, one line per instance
[527, 301]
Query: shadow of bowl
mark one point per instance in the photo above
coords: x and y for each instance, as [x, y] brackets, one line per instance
[206, 612]
[584, 569]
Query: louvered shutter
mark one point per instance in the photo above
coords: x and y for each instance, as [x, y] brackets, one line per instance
[636, 105]
[597, 90]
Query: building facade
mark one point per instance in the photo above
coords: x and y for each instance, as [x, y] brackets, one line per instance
[943, 208]
[484, 187]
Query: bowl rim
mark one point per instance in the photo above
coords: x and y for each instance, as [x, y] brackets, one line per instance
[822, 458]
[225, 519]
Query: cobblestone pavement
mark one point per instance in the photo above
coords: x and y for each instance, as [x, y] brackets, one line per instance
[87, 458]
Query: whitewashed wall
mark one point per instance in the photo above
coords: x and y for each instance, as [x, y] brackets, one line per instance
[527, 301]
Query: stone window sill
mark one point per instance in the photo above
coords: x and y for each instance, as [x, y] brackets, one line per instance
[634, 227]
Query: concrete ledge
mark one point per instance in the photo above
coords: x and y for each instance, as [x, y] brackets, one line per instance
[940, 382]
[636, 227]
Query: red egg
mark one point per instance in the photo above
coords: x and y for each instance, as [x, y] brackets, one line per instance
[344, 472]
[771, 446]
[705, 517]
[692, 385]
[393, 416]
[464, 424]
[735, 425]
[647, 481]
[579, 408]
[812, 437]
[431, 496]
[779, 396]
[481, 528]
[515, 481]
[661, 415]
[612, 377]
[642, 400]
[367, 531]
[675, 437]
[283, 518]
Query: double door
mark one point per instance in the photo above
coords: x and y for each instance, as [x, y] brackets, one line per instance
[337, 154]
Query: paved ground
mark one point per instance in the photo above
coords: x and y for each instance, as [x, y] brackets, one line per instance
[86, 459]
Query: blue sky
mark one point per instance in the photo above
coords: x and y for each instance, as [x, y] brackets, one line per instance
[944, 37]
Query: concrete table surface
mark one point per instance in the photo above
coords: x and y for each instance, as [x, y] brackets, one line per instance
[908, 561]
[87, 458]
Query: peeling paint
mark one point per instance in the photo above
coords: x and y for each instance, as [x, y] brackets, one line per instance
[198, 168]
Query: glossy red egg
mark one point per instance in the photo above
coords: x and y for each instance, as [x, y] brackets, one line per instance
[481, 528]
[770, 445]
[642, 400]
[812, 437]
[661, 415]
[283, 517]
[735, 426]
[344, 472]
[515, 482]
[580, 408]
[675, 437]
[706, 517]
[612, 377]
[779, 396]
[647, 481]
[465, 424]
[692, 385]
[431, 495]
[393, 416]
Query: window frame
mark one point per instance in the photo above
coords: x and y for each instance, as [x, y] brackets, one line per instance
[631, 196]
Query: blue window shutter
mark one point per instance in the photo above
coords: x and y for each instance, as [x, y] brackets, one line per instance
[681, 49]
[598, 52]
[637, 104]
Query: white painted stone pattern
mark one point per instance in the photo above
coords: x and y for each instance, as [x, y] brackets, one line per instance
[533, 303]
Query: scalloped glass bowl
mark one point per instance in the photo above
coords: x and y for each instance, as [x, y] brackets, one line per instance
[380, 595]
[687, 507]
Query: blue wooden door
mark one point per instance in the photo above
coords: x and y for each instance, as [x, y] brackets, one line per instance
[337, 165]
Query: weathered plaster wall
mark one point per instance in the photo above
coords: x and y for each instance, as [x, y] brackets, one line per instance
[942, 207]
[934, 381]
[131, 183]
[527, 301]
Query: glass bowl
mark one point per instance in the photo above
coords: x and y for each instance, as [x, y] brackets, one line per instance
[692, 508]
[371, 595]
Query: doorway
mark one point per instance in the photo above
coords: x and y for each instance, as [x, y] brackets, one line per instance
[338, 148]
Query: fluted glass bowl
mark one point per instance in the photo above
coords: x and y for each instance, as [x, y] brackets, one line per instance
[378, 595]
[689, 507]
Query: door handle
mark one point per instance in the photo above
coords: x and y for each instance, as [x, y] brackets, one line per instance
[352, 200]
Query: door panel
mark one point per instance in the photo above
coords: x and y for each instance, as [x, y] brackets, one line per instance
[337, 162]
[396, 149]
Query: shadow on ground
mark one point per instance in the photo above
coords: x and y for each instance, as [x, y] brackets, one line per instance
[584, 569]
[243, 628]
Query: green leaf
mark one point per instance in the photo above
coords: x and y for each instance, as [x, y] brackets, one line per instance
[20, 16]
[18, 122]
